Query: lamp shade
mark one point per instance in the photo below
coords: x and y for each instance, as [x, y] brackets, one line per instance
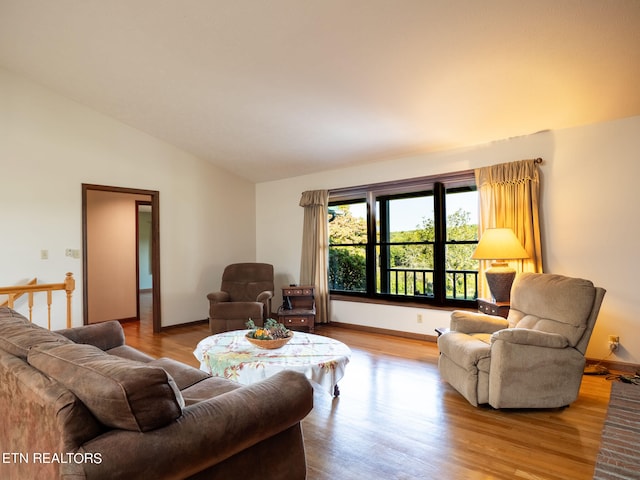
[499, 244]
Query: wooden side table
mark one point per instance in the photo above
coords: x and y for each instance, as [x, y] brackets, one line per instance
[302, 313]
[500, 309]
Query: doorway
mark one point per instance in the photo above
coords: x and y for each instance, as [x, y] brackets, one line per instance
[111, 253]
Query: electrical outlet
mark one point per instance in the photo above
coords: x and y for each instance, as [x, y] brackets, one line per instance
[419, 318]
[44, 254]
[614, 342]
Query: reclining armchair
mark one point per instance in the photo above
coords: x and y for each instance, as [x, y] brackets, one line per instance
[245, 293]
[532, 359]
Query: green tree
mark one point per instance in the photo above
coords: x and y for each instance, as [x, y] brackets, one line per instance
[347, 270]
[345, 228]
[347, 264]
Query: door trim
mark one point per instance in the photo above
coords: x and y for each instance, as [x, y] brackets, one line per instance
[155, 247]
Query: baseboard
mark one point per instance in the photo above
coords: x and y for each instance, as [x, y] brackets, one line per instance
[185, 324]
[383, 331]
[613, 366]
[123, 320]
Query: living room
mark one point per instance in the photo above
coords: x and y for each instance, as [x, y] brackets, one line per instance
[52, 143]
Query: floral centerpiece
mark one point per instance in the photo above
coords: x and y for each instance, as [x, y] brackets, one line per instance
[272, 335]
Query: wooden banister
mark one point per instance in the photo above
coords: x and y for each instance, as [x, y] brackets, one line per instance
[16, 296]
[14, 292]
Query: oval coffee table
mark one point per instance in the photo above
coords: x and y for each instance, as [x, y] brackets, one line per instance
[230, 355]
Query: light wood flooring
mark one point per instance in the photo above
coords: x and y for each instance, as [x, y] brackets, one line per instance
[396, 419]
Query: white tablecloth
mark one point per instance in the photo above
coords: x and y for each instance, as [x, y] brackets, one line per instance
[229, 354]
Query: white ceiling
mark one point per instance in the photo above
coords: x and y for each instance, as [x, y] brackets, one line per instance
[277, 88]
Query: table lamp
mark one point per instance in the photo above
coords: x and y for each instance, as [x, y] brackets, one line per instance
[499, 244]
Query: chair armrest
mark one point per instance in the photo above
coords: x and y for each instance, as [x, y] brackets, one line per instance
[472, 322]
[105, 335]
[216, 297]
[525, 336]
[264, 296]
[208, 432]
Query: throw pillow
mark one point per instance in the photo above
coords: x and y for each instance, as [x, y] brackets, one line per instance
[18, 335]
[120, 393]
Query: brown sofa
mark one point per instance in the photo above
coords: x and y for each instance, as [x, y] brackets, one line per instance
[80, 403]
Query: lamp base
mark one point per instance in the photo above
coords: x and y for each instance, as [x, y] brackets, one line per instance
[500, 278]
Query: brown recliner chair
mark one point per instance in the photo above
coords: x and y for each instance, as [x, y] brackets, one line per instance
[245, 293]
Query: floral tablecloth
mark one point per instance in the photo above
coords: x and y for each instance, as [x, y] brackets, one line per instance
[229, 354]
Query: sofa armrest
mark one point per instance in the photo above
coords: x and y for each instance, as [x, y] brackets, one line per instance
[105, 335]
[216, 297]
[525, 336]
[472, 322]
[207, 433]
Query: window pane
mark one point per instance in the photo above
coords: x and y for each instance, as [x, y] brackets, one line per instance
[413, 216]
[461, 272]
[462, 228]
[348, 223]
[347, 250]
[410, 272]
[405, 264]
[347, 268]
[462, 215]
[411, 256]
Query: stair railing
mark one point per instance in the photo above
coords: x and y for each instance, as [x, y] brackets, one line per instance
[15, 292]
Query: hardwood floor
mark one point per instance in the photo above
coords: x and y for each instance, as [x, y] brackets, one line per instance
[396, 419]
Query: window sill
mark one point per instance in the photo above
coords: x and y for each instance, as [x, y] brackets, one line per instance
[399, 303]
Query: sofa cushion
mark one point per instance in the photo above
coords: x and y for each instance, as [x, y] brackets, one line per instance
[120, 393]
[184, 375]
[207, 389]
[130, 353]
[18, 335]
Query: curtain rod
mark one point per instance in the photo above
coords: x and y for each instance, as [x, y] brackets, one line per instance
[538, 160]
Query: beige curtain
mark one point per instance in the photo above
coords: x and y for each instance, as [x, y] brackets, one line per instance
[510, 198]
[315, 249]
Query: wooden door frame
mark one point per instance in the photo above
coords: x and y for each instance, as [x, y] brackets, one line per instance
[155, 247]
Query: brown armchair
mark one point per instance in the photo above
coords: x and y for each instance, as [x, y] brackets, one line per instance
[245, 293]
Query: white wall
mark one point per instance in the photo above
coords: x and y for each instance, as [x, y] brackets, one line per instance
[50, 145]
[589, 225]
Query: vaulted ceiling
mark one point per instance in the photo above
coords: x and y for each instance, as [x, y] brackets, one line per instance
[277, 88]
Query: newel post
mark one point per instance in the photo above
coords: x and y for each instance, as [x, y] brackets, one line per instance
[69, 286]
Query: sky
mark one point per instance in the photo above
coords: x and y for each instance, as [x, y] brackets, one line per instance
[413, 210]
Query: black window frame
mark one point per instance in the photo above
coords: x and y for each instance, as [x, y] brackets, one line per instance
[438, 186]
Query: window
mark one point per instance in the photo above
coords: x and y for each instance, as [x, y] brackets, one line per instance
[348, 247]
[406, 241]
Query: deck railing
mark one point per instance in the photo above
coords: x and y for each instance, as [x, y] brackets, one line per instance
[14, 292]
[461, 284]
